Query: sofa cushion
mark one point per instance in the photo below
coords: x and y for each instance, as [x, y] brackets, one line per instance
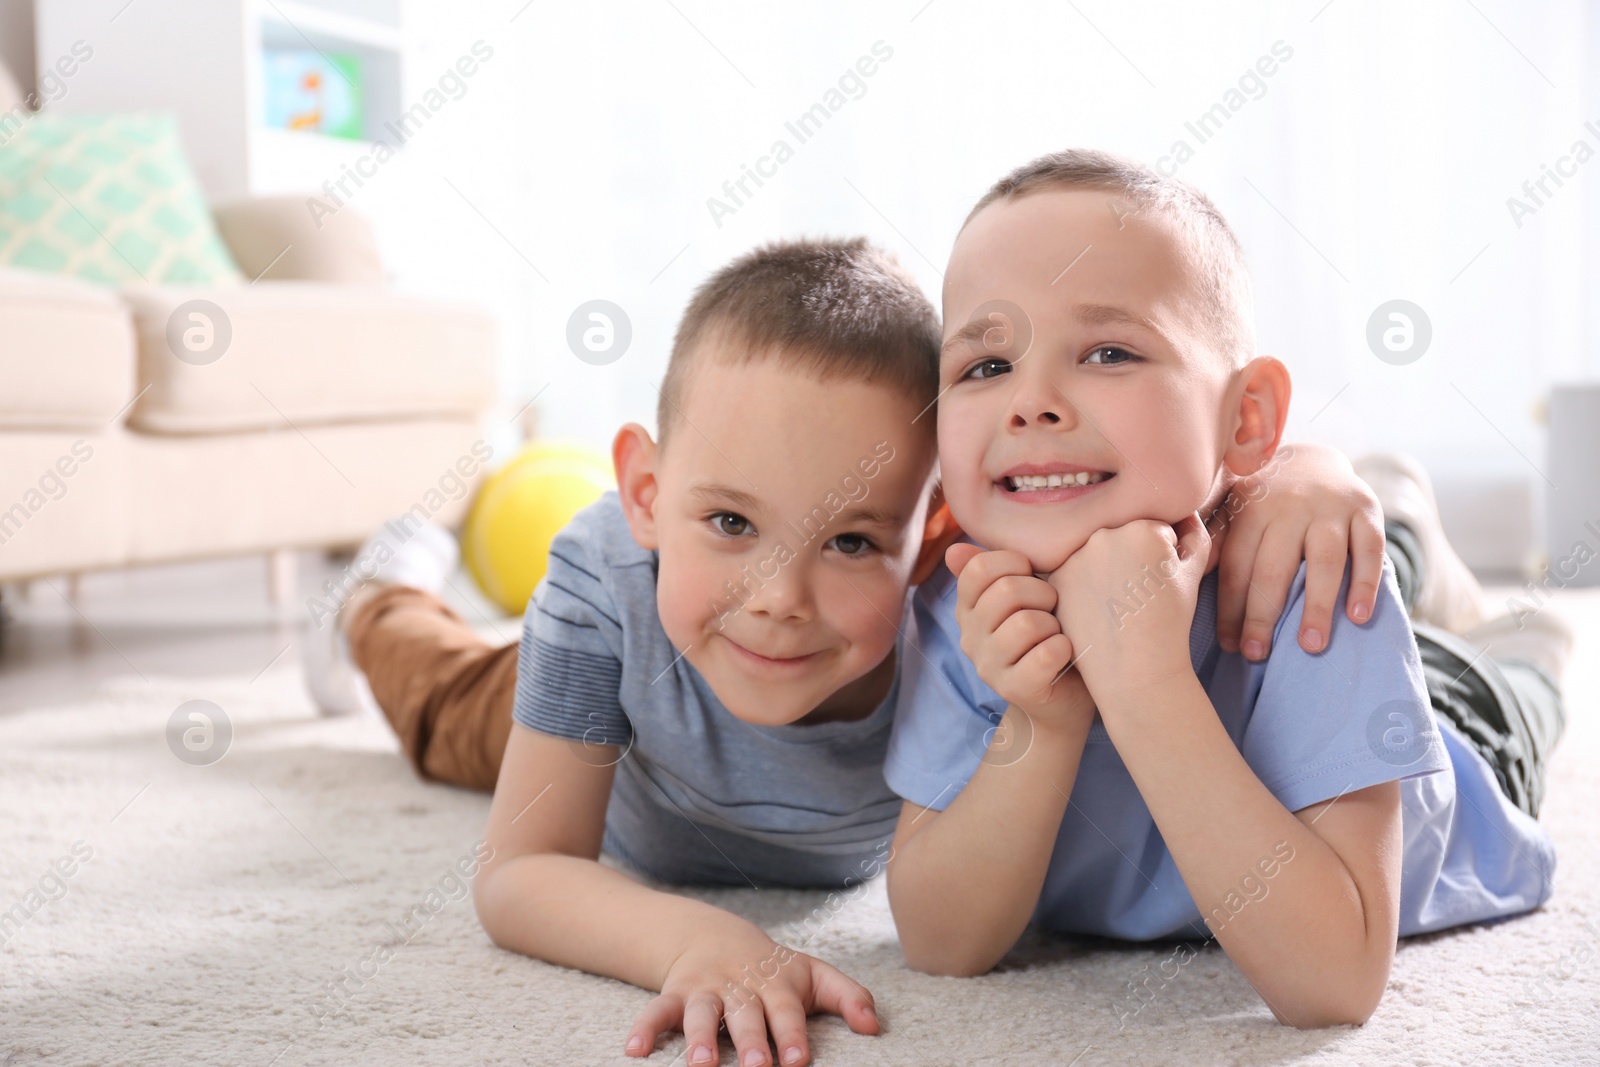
[108, 198]
[278, 354]
[274, 238]
[66, 353]
[75, 502]
[244, 492]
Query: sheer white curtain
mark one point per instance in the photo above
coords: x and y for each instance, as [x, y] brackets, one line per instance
[1374, 162]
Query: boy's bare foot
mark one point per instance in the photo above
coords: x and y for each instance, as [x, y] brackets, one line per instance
[422, 560]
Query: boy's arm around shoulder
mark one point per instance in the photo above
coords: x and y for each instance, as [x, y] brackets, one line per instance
[1306, 504]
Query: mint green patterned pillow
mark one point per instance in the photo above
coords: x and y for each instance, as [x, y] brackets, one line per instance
[107, 198]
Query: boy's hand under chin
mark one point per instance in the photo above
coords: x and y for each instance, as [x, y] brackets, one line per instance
[1127, 601]
[1011, 632]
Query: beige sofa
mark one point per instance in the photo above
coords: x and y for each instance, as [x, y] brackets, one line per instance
[335, 405]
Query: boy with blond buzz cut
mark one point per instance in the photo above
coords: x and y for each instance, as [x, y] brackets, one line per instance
[1074, 747]
[707, 675]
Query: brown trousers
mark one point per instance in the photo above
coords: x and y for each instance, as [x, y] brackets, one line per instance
[446, 691]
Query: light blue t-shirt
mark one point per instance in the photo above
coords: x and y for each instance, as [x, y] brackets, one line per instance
[1312, 727]
[700, 796]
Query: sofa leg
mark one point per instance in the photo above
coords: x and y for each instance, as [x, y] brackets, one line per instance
[75, 587]
[280, 576]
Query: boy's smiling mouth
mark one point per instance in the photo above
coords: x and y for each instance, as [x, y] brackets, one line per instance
[756, 659]
[1048, 482]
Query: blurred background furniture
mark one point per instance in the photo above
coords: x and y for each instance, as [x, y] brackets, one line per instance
[217, 77]
[1572, 505]
[335, 405]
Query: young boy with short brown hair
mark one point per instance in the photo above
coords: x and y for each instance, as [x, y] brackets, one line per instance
[1075, 748]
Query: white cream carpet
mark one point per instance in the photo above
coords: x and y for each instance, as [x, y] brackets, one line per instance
[220, 904]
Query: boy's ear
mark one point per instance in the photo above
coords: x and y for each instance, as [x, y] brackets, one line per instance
[634, 455]
[1262, 407]
[939, 534]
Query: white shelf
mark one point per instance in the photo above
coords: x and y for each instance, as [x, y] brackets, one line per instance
[288, 160]
[321, 27]
[211, 76]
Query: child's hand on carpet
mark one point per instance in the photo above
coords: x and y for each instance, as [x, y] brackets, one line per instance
[543, 892]
[754, 985]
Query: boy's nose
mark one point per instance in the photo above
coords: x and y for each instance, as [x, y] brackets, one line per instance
[1046, 416]
[1042, 405]
[1037, 397]
[784, 596]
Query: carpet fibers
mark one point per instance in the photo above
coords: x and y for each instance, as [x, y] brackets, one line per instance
[299, 902]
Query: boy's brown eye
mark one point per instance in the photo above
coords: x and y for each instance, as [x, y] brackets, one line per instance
[729, 523]
[851, 544]
[988, 368]
[1109, 355]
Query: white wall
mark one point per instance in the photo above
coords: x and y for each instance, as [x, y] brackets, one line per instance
[1389, 141]
[1376, 164]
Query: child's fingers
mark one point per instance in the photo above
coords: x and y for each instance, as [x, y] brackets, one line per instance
[1008, 595]
[746, 1020]
[701, 1016]
[786, 1018]
[1233, 581]
[833, 991]
[860, 1012]
[663, 1014]
[1366, 565]
[1020, 634]
[1045, 662]
[981, 571]
[1326, 545]
[1194, 541]
[1271, 576]
[958, 555]
[1219, 537]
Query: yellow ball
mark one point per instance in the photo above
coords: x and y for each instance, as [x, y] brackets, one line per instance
[519, 510]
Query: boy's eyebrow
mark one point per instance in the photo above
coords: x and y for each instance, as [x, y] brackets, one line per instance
[868, 514]
[972, 331]
[1088, 314]
[1101, 314]
[712, 492]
